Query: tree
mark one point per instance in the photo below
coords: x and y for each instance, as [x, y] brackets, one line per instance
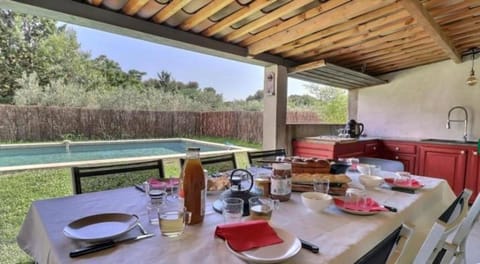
[332, 103]
[258, 96]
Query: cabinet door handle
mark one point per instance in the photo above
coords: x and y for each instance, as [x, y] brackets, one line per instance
[475, 153]
[374, 148]
[397, 148]
[462, 152]
[396, 157]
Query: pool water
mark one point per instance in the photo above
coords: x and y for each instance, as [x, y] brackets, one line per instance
[71, 152]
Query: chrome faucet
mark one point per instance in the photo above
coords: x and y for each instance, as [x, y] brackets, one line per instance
[465, 121]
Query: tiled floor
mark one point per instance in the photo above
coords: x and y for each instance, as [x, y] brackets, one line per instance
[473, 245]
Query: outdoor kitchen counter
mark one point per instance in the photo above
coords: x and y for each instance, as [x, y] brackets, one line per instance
[338, 140]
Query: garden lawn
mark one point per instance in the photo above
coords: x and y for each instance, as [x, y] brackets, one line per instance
[19, 190]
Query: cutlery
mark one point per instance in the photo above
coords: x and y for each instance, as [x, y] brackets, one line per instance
[400, 189]
[309, 246]
[391, 209]
[105, 245]
[139, 187]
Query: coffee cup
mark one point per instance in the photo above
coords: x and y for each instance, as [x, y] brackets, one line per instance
[262, 208]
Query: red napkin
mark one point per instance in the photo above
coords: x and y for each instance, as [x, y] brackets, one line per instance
[414, 183]
[158, 183]
[372, 205]
[248, 235]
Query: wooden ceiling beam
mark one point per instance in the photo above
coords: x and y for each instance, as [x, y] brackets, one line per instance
[459, 16]
[132, 6]
[336, 16]
[338, 29]
[203, 14]
[360, 33]
[322, 8]
[267, 18]
[307, 66]
[406, 35]
[246, 11]
[424, 19]
[173, 7]
[411, 64]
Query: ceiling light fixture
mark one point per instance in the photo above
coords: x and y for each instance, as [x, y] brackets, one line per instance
[472, 80]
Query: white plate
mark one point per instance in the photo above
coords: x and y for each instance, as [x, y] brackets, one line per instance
[355, 212]
[272, 254]
[100, 227]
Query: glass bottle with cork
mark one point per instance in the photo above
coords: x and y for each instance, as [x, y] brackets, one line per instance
[193, 185]
[281, 181]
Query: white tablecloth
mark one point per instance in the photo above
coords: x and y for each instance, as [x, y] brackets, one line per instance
[342, 238]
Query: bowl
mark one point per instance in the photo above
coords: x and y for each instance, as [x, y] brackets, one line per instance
[370, 181]
[367, 169]
[316, 201]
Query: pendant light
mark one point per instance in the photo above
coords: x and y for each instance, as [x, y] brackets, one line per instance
[472, 80]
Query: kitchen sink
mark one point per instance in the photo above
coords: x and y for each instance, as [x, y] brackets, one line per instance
[453, 141]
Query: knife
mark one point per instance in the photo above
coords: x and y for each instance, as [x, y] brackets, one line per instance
[391, 209]
[105, 245]
[309, 246]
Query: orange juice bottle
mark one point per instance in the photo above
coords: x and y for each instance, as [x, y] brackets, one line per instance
[193, 186]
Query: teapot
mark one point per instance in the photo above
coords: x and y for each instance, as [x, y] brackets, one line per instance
[354, 129]
[241, 183]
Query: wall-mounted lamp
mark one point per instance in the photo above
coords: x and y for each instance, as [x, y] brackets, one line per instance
[472, 80]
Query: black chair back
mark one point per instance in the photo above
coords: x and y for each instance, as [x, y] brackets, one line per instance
[255, 156]
[217, 163]
[380, 253]
[106, 177]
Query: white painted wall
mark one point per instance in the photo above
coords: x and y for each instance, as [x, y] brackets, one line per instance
[416, 101]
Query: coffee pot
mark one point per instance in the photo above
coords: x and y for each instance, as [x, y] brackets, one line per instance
[241, 183]
[354, 129]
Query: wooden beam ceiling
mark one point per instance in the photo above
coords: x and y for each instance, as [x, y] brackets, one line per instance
[425, 20]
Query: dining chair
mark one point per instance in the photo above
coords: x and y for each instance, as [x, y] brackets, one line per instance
[385, 164]
[254, 157]
[390, 248]
[456, 222]
[106, 177]
[212, 164]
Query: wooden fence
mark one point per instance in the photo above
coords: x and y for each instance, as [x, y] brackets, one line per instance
[39, 123]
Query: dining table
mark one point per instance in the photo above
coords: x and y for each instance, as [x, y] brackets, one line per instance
[340, 236]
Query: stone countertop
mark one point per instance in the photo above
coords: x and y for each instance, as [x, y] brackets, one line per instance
[329, 139]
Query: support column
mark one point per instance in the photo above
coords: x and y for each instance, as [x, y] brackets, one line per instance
[275, 108]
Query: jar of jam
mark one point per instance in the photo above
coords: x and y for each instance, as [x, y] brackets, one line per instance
[281, 181]
[262, 184]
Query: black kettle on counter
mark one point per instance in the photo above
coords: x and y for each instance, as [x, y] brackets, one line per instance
[354, 129]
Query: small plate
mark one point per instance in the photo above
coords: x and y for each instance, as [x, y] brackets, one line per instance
[272, 254]
[391, 182]
[100, 227]
[339, 204]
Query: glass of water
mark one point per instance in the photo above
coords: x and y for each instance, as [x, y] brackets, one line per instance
[232, 210]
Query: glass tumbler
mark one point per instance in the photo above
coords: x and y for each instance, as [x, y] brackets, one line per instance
[232, 210]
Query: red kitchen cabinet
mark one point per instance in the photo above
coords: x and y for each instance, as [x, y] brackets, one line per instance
[372, 149]
[445, 163]
[401, 151]
[472, 176]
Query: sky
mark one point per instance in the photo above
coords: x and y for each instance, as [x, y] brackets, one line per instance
[233, 79]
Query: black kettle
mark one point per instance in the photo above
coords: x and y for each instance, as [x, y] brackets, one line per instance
[241, 183]
[354, 129]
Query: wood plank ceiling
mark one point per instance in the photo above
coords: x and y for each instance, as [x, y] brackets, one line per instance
[369, 36]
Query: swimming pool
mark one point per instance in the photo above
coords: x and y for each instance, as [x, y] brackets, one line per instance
[67, 154]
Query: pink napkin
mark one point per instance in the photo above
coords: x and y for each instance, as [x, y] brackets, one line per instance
[371, 206]
[248, 235]
[404, 183]
[166, 183]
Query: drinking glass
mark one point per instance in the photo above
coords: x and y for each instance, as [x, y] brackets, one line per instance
[355, 199]
[173, 184]
[403, 178]
[172, 222]
[157, 190]
[353, 162]
[232, 210]
[321, 185]
[261, 208]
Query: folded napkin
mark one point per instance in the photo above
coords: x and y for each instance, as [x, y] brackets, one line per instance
[159, 183]
[371, 205]
[404, 183]
[248, 235]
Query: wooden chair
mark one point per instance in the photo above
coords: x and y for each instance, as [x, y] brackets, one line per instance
[255, 156]
[106, 177]
[385, 164]
[389, 249]
[217, 163]
[447, 239]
